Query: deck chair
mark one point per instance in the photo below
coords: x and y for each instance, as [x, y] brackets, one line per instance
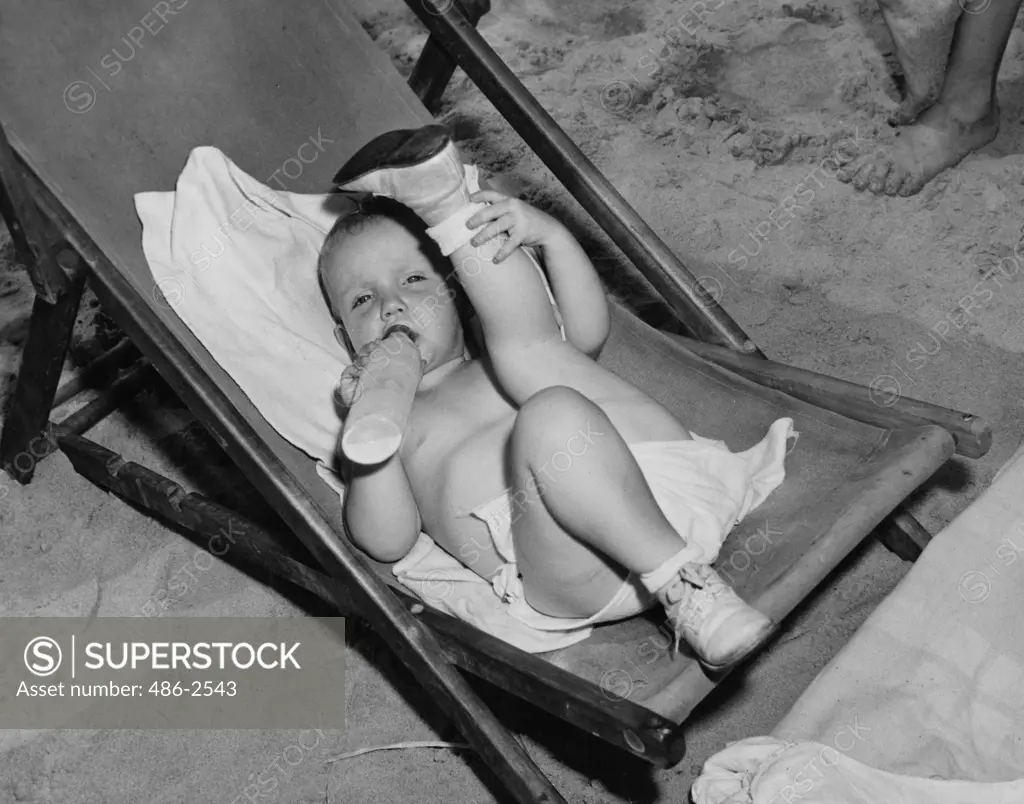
[104, 99]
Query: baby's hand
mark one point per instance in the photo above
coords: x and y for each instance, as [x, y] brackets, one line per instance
[522, 224]
[372, 359]
[349, 387]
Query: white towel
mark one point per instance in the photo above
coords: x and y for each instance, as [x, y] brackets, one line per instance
[765, 770]
[237, 263]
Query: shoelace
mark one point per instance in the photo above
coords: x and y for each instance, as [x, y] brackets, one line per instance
[686, 598]
[695, 574]
[701, 577]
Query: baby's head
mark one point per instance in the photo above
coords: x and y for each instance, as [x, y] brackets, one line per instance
[378, 268]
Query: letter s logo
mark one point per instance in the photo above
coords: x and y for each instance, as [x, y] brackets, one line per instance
[43, 656]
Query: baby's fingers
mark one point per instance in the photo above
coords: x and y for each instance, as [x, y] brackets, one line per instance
[511, 244]
[349, 387]
[504, 223]
[495, 210]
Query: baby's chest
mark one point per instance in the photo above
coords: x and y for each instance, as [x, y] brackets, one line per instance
[453, 414]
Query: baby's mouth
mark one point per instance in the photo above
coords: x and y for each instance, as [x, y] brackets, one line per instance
[413, 335]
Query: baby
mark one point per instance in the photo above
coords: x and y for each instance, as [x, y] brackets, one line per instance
[532, 423]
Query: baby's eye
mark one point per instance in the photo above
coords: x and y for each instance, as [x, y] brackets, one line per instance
[360, 299]
[417, 278]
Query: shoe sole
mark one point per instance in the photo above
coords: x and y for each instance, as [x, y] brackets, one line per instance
[395, 149]
[758, 644]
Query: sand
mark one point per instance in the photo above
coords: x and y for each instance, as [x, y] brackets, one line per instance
[707, 126]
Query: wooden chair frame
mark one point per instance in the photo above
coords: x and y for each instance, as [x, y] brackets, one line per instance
[59, 256]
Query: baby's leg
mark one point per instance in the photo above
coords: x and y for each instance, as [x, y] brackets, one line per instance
[583, 514]
[522, 337]
[526, 365]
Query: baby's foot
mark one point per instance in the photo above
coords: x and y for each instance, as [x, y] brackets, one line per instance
[940, 139]
[711, 617]
[420, 168]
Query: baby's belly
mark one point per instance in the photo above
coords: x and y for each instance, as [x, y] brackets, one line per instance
[473, 472]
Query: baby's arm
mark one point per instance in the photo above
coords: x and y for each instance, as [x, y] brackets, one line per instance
[578, 291]
[380, 510]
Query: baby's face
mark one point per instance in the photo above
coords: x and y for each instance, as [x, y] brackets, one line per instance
[378, 277]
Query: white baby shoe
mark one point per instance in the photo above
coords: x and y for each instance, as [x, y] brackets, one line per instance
[712, 619]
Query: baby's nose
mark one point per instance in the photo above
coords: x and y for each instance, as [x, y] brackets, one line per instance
[393, 307]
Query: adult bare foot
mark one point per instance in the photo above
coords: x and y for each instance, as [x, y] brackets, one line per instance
[943, 136]
[922, 31]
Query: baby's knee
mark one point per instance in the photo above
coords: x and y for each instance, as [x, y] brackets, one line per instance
[553, 415]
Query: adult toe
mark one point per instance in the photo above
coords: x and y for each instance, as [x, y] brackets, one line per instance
[878, 176]
[867, 170]
[894, 180]
[846, 173]
[911, 186]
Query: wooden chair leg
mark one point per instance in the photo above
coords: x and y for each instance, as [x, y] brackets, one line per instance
[903, 535]
[27, 228]
[42, 360]
[435, 68]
